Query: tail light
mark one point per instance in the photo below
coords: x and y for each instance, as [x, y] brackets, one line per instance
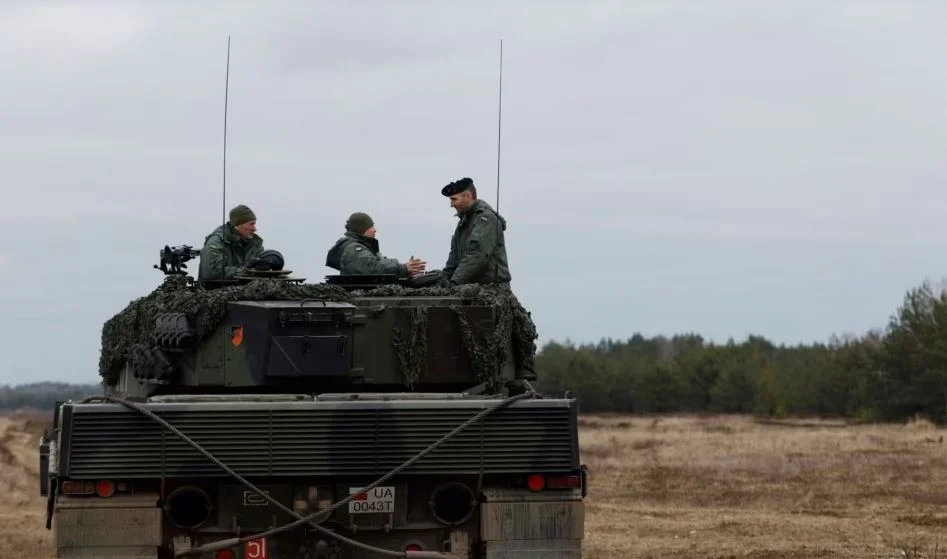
[413, 547]
[225, 554]
[564, 482]
[78, 488]
[538, 482]
[104, 488]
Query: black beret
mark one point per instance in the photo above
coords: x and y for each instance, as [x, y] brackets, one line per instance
[457, 187]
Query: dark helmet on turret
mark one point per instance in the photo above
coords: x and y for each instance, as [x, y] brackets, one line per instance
[268, 260]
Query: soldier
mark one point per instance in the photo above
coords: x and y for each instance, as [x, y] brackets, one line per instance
[357, 252]
[477, 248]
[231, 248]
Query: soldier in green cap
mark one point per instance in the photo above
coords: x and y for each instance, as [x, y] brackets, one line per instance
[477, 248]
[357, 252]
[230, 248]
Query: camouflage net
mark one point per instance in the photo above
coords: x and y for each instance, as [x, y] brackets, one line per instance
[413, 350]
[136, 323]
[486, 351]
[205, 309]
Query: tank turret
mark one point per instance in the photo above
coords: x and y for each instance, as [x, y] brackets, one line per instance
[267, 331]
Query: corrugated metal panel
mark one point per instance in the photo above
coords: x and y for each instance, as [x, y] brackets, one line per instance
[318, 438]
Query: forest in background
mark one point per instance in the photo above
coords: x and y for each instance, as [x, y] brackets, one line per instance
[43, 395]
[886, 374]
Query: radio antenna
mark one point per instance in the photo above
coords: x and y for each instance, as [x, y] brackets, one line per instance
[223, 208]
[223, 201]
[499, 125]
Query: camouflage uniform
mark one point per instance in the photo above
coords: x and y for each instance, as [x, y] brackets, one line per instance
[478, 250]
[355, 254]
[225, 254]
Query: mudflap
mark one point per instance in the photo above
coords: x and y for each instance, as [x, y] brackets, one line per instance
[126, 527]
[522, 524]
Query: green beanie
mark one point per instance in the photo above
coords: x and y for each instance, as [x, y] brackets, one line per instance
[240, 215]
[359, 223]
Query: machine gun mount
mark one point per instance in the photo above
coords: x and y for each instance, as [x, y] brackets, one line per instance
[172, 259]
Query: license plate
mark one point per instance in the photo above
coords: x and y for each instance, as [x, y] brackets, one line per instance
[255, 549]
[379, 499]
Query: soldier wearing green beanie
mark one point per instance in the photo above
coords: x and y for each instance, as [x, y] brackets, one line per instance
[357, 252]
[231, 247]
[241, 215]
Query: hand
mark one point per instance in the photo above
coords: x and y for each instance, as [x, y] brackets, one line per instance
[415, 266]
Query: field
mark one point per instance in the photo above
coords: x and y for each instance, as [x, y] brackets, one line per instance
[22, 510]
[691, 487]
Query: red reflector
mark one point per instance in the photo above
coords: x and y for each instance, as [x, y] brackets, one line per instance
[225, 554]
[105, 488]
[536, 482]
[78, 488]
[564, 482]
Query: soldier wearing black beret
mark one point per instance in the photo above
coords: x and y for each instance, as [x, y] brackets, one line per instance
[477, 248]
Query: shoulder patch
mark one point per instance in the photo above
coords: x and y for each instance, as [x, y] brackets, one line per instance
[484, 219]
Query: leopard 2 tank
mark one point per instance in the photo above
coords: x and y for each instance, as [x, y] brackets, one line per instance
[363, 416]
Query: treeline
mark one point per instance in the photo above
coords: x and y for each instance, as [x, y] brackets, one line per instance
[884, 375]
[43, 395]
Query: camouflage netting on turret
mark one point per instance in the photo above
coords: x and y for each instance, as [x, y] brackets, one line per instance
[136, 323]
[205, 309]
[486, 351]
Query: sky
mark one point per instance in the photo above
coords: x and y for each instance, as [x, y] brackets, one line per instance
[727, 169]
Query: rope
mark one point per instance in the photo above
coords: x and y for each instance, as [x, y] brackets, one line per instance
[310, 519]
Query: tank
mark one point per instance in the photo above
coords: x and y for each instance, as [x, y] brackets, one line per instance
[357, 417]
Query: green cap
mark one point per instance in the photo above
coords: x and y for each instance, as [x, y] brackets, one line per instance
[241, 214]
[359, 223]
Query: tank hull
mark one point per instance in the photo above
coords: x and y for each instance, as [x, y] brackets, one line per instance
[467, 476]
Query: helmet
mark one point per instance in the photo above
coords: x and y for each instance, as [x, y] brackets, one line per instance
[268, 260]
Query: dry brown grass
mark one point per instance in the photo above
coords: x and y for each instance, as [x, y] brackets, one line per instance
[712, 487]
[732, 487]
[22, 509]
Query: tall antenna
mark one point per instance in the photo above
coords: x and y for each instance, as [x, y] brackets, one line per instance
[499, 125]
[496, 266]
[223, 208]
[223, 201]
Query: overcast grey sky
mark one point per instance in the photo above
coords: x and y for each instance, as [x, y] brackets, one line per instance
[724, 168]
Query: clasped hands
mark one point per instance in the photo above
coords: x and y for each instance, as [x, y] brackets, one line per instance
[415, 266]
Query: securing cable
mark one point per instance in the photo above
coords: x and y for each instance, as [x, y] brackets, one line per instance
[323, 512]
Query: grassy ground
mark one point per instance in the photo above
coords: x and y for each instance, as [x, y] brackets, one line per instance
[685, 487]
[731, 487]
[22, 509]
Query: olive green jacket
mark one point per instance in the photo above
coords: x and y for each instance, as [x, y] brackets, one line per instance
[478, 249]
[225, 254]
[354, 254]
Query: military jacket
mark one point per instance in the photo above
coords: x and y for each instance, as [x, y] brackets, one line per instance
[225, 254]
[477, 248]
[354, 254]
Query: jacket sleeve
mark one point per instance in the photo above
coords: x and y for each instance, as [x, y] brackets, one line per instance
[451, 264]
[254, 253]
[480, 246]
[363, 262]
[216, 263]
